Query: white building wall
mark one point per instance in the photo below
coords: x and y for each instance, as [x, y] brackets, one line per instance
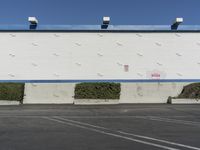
[72, 55]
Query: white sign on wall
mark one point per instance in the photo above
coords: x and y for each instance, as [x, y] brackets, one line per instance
[156, 74]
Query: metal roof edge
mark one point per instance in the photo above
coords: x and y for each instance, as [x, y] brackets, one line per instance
[101, 28]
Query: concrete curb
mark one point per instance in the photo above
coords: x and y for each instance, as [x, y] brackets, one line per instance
[43, 101]
[184, 101]
[7, 102]
[95, 101]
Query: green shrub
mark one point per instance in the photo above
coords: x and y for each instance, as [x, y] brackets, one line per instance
[190, 91]
[97, 91]
[11, 91]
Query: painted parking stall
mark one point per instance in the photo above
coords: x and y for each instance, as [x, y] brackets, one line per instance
[100, 127]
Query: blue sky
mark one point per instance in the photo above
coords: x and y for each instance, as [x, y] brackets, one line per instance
[145, 12]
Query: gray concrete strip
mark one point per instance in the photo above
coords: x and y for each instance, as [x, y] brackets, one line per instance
[9, 102]
[111, 134]
[185, 101]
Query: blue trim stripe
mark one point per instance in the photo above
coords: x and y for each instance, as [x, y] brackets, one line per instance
[119, 80]
[98, 28]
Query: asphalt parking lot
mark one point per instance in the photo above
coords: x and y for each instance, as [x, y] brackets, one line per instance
[116, 127]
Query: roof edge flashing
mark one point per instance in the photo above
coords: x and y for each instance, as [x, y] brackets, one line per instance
[99, 28]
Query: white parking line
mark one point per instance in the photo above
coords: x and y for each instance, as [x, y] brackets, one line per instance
[140, 136]
[163, 141]
[151, 118]
[111, 134]
[154, 118]
[129, 116]
[123, 116]
[82, 123]
[178, 120]
[170, 120]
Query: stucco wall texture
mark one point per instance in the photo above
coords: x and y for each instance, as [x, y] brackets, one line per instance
[99, 56]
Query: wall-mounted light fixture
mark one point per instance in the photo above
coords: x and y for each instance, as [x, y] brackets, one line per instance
[176, 23]
[106, 22]
[33, 22]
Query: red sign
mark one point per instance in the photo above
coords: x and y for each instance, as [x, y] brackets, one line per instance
[155, 75]
[126, 68]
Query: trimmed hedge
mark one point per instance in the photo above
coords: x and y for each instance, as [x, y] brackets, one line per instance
[11, 91]
[97, 91]
[190, 91]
